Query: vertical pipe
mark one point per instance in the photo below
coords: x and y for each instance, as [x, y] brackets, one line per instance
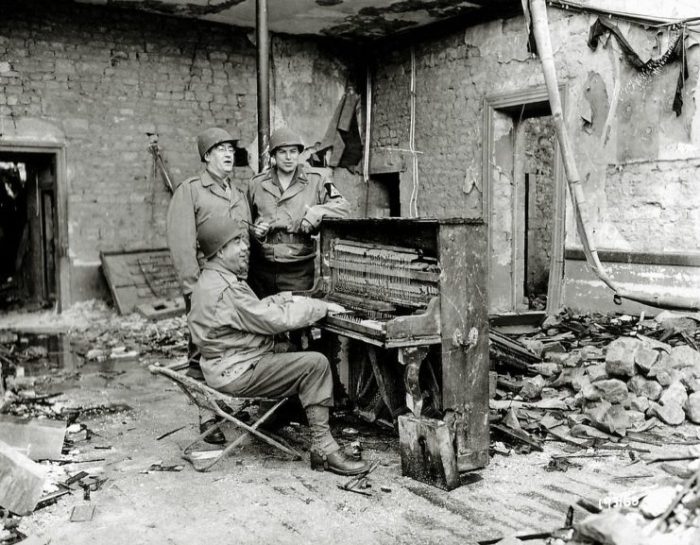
[263, 65]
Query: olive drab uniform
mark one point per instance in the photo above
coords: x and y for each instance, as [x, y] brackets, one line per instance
[195, 200]
[284, 259]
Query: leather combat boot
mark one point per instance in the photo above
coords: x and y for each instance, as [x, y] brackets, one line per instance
[326, 454]
[338, 463]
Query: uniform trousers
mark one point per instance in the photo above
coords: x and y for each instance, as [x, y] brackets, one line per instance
[306, 374]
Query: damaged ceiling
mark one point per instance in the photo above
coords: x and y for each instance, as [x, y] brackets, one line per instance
[349, 19]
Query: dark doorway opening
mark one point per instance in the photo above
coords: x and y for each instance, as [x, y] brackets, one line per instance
[28, 230]
[383, 196]
[538, 147]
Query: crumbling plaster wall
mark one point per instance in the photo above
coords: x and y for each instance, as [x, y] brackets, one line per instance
[97, 80]
[638, 161]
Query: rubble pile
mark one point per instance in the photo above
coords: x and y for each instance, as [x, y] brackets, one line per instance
[620, 373]
[119, 337]
[664, 515]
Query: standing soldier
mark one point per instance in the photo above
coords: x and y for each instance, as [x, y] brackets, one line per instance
[288, 202]
[211, 193]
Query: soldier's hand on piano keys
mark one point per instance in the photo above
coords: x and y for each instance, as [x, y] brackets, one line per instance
[334, 308]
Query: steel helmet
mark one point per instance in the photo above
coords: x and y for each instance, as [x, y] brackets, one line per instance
[210, 138]
[217, 231]
[285, 136]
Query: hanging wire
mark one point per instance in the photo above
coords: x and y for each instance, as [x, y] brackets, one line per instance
[413, 203]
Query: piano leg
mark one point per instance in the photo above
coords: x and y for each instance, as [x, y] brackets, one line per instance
[412, 358]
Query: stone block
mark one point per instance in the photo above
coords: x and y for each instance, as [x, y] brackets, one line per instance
[612, 390]
[692, 407]
[609, 418]
[657, 501]
[591, 353]
[648, 388]
[663, 372]
[570, 376]
[21, 481]
[635, 418]
[675, 394]
[612, 528]
[639, 403]
[573, 359]
[684, 356]
[532, 387]
[597, 372]
[672, 415]
[590, 393]
[645, 358]
[619, 358]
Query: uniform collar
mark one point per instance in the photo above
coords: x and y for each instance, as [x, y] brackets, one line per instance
[272, 185]
[210, 182]
[208, 179]
[228, 275]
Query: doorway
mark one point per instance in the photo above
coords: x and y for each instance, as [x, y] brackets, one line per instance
[524, 204]
[29, 230]
[384, 195]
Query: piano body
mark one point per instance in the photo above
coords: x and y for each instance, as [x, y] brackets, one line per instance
[413, 284]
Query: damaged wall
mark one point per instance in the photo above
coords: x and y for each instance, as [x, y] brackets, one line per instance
[637, 159]
[97, 80]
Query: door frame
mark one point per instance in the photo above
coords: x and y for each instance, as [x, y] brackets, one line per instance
[62, 259]
[504, 102]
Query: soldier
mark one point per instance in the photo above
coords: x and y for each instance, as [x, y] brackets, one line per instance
[288, 202]
[234, 330]
[197, 199]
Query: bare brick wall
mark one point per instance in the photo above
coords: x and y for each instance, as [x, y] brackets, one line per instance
[97, 80]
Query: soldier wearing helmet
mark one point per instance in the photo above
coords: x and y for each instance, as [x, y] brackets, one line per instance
[210, 193]
[236, 330]
[288, 202]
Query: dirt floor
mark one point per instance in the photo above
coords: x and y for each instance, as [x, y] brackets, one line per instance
[258, 496]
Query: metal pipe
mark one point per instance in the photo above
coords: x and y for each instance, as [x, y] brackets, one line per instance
[540, 27]
[263, 65]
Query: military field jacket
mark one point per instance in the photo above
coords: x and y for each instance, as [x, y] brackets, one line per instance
[311, 195]
[195, 200]
[234, 329]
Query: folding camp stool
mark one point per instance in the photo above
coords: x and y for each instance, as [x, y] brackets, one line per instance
[209, 398]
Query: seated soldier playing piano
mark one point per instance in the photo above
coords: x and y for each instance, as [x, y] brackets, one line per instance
[234, 331]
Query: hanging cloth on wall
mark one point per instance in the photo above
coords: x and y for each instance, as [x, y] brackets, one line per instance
[676, 52]
[343, 134]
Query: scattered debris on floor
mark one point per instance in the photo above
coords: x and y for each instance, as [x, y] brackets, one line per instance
[604, 385]
[599, 386]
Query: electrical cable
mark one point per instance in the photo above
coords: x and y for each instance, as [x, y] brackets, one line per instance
[413, 203]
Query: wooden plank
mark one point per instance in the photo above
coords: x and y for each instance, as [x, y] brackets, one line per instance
[465, 340]
[139, 277]
[21, 481]
[427, 454]
[37, 439]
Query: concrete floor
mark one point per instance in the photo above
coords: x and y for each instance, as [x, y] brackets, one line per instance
[257, 496]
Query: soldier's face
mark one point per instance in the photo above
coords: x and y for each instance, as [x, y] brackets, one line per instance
[236, 254]
[219, 159]
[287, 158]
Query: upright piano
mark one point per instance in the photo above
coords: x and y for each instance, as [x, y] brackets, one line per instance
[413, 284]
